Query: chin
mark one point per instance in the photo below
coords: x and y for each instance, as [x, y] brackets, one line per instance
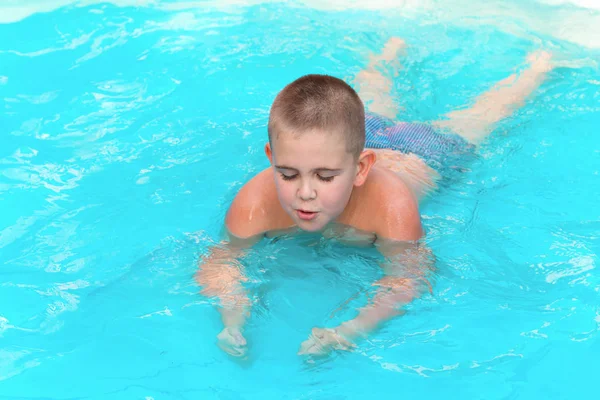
[310, 226]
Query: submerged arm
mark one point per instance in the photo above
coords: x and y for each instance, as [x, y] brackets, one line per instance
[407, 269]
[221, 275]
[407, 265]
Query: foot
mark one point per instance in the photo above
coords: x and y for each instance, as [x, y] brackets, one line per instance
[322, 341]
[392, 49]
[232, 342]
[389, 56]
[374, 86]
[540, 60]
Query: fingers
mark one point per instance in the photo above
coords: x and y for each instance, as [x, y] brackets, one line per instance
[232, 342]
[322, 341]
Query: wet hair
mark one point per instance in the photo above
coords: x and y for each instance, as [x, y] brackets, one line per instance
[320, 102]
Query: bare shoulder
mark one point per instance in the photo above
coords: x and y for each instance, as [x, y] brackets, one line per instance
[395, 209]
[255, 209]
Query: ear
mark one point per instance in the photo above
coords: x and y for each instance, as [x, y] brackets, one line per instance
[269, 152]
[366, 160]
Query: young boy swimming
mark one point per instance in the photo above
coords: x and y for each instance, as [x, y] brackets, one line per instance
[354, 175]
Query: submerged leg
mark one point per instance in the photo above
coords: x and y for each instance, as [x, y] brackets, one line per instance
[373, 87]
[476, 122]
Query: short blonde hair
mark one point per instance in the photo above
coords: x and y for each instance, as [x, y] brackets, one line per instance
[319, 102]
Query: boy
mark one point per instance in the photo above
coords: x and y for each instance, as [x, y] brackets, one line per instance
[322, 178]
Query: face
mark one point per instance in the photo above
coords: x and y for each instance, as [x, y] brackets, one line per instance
[315, 176]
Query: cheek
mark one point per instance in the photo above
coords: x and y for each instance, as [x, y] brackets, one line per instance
[285, 191]
[336, 195]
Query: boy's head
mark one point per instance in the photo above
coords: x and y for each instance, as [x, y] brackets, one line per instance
[316, 141]
[319, 102]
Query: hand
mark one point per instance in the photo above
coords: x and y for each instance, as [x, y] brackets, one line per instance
[323, 340]
[232, 342]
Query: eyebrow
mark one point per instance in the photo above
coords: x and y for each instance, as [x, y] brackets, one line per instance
[323, 169]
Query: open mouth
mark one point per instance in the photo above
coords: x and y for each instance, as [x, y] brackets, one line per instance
[306, 215]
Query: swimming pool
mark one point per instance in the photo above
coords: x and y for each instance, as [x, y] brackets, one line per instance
[127, 127]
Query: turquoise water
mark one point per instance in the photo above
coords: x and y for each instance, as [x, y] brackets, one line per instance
[126, 131]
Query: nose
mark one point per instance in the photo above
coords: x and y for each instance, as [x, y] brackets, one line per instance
[306, 191]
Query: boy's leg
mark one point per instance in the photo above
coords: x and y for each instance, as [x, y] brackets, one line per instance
[475, 123]
[373, 87]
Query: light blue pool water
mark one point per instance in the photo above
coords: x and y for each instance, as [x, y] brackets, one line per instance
[125, 131]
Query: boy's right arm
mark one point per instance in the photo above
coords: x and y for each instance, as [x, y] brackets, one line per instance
[220, 272]
[221, 275]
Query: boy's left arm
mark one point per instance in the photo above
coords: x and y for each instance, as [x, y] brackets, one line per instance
[407, 267]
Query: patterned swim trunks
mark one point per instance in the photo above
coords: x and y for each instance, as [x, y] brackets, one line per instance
[439, 150]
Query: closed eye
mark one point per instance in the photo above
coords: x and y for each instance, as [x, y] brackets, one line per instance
[325, 178]
[288, 177]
